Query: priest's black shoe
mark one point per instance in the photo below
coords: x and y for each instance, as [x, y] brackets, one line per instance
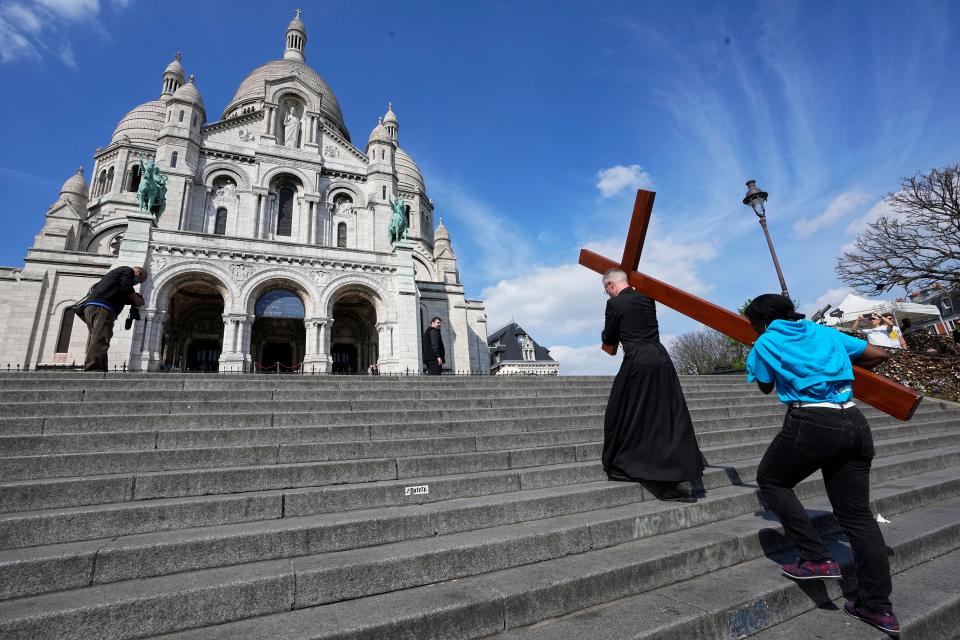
[676, 495]
[617, 477]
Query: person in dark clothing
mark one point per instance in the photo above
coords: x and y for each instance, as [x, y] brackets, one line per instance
[810, 367]
[433, 353]
[647, 431]
[105, 302]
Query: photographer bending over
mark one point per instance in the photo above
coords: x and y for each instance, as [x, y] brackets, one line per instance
[102, 306]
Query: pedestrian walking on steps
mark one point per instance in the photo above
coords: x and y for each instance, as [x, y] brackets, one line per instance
[648, 435]
[810, 367]
[434, 354]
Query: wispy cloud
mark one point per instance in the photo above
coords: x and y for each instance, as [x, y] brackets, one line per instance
[839, 208]
[38, 29]
[616, 179]
[495, 245]
[21, 180]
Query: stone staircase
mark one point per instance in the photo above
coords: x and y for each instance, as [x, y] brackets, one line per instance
[296, 507]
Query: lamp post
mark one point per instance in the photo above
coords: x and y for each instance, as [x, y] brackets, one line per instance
[756, 199]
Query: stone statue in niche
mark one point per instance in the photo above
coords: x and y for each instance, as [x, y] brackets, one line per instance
[291, 127]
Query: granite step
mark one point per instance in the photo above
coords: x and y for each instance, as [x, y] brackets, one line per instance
[454, 449]
[753, 600]
[927, 601]
[31, 494]
[605, 511]
[271, 599]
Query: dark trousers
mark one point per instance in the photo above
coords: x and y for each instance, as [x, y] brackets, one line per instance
[99, 323]
[433, 368]
[839, 443]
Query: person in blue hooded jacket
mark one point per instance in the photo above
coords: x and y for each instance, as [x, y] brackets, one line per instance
[811, 368]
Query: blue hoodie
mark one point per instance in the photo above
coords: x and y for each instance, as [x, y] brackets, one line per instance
[807, 361]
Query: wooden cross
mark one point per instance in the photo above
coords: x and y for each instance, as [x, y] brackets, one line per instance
[884, 394]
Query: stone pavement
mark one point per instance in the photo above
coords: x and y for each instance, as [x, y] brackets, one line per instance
[296, 507]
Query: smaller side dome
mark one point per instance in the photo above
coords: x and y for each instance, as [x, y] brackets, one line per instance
[379, 134]
[75, 184]
[189, 93]
[441, 234]
[142, 123]
[74, 190]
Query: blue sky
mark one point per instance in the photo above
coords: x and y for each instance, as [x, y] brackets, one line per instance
[534, 122]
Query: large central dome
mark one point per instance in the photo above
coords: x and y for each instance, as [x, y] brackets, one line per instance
[253, 89]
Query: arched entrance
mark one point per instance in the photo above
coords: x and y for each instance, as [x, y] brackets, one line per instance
[193, 331]
[353, 340]
[278, 341]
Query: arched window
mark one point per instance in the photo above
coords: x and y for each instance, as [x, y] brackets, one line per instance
[285, 212]
[66, 330]
[194, 120]
[181, 115]
[115, 244]
[134, 178]
[220, 224]
[279, 303]
[109, 186]
[169, 115]
[101, 182]
[342, 235]
[173, 159]
[384, 192]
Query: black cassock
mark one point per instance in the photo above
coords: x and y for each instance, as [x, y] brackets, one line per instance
[647, 431]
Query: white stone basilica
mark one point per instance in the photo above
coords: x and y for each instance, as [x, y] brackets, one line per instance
[273, 251]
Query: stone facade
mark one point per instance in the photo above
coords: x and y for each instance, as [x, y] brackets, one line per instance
[273, 251]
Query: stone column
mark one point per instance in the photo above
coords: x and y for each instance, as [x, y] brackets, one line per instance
[246, 333]
[231, 358]
[316, 351]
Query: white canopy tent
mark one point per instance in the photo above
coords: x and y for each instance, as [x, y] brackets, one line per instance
[854, 306]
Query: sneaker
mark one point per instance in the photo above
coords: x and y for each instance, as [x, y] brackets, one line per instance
[806, 570]
[883, 620]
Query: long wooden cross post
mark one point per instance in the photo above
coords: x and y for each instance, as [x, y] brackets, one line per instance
[884, 394]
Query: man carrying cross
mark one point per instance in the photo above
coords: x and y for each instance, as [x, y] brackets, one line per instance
[647, 432]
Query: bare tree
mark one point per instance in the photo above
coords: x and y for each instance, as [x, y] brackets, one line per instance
[918, 246]
[700, 351]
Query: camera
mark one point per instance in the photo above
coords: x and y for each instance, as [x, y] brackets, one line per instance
[134, 315]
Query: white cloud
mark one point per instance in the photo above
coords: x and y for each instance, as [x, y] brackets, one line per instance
[588, 360]
[879, 210]
[72, 9]
[615, 179]
[563, 302]
[839, 208]
[39, 29]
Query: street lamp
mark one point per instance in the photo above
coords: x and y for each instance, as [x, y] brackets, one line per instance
[756, 199]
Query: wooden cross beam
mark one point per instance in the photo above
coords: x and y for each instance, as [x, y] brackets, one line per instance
[884, 394]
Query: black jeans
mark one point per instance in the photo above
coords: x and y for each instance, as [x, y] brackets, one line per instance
[839, 443]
